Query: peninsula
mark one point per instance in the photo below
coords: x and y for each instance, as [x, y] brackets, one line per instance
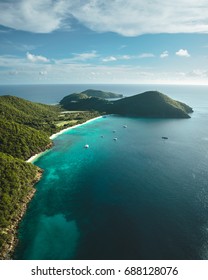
[147, 104]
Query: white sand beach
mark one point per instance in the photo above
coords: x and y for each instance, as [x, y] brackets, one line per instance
[72, 127]
[53, 136]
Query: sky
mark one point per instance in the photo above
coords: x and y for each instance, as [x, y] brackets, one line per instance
[103, 42]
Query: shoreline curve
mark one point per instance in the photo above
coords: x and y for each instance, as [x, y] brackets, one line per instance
[53, 136]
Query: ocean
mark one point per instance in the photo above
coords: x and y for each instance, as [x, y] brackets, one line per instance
[140, 197]
[52, 94]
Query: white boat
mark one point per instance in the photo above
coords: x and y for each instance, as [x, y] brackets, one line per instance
[86, 146]
[115, 139]
[124, 126]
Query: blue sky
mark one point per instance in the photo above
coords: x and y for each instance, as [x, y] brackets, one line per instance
[99, 41]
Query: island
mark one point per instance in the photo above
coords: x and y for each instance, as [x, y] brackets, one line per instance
[101, 94]
[147, 104]
[26, 128]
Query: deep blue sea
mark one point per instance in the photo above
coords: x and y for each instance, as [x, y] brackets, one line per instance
[140, 197]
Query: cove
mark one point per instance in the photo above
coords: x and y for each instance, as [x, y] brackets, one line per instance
[139, 197]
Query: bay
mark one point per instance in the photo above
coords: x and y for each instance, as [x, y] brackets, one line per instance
[140, 197]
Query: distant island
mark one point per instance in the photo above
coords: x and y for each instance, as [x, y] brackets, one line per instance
[101, 94]
[26, 128]
[147, 104]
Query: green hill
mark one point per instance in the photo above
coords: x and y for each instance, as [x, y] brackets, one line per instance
[24, 131]
[151, 104]
[80, 101]
[38, 116]
[89, 99]
[148, 104]
[21, 141]
[17, 179]
[101, 94]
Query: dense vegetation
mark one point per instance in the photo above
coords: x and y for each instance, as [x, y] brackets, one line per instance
[147, 104]
[17, 178]
[80, 101]
[101, 94]
[21, 141]
[151, 104]
[25, 128]
[38, 116]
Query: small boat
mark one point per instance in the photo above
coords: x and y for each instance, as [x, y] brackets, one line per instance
[124, 126]
[115, 139]
[86, 146]
[102, 136]
[114, 131]
[164, 137]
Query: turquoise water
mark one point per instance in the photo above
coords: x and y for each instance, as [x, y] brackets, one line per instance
[140, 197]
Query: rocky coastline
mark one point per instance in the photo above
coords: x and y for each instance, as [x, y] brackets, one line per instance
[9, 246]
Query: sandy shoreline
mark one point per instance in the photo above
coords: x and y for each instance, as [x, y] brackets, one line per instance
[53, 136]
[9, 246]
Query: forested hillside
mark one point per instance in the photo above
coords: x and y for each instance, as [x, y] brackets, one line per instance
[20, 140]
[24, 131]
[17, 179]
[151, 104]
[147, 104]
[38, 116]
[25, 128]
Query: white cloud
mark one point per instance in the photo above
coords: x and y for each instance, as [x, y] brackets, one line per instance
[77, 57]
[10, 61]
[127, 57]
[128, 18]
[198, 73]
[109, 58]
[36, 58]
[16, 70]
[118, 57]
[164, 54]
[183, 53]
[34, 15]
[85, 56]
[146, 55]
[136, 17]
